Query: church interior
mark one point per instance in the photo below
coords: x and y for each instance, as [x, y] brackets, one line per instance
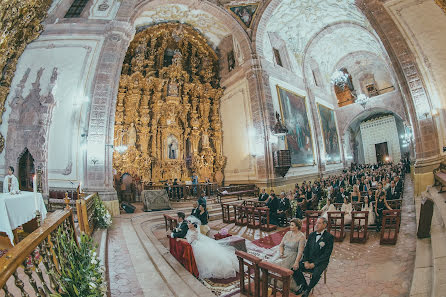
[223, 148]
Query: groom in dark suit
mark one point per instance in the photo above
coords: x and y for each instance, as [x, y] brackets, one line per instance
[181, 230]
[316, 256]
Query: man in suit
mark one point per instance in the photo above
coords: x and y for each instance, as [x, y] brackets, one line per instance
[273, 204]
[398, 184]
[316, 257]
[339, 198]
[181, 230]
[263, 196]
[392, 193]
[202, 200]
[284, 206]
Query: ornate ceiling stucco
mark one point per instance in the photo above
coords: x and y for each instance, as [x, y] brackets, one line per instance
[207, 24]
[332, 47]
[299, 20]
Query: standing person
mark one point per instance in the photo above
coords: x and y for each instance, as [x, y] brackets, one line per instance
[316, 257]
[10, 183]
[203, 216]
[380, 204]
[202, 200]
[284, 206]
[194, 183]
[273, 204]
[263, 196]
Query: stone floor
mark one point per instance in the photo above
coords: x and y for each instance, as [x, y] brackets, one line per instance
[368, 269]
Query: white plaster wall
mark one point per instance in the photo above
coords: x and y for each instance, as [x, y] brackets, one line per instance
[377, 131]
[75, 58]
[423, 24]
[294, 171]
[239, 137]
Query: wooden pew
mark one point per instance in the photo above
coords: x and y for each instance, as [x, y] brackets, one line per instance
[226, 212]
[253, 217]
[390, 226]
[237, 191]
[395, 204]
[358, 231]
[249, 274]
[240, 215]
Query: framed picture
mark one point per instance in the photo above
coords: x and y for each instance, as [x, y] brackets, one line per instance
[244, 13]
[299, 139]
[329, 134]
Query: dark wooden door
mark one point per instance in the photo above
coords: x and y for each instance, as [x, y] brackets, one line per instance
[26, 171]
[381, 152]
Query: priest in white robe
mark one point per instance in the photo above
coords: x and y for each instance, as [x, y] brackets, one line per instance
[10, 184]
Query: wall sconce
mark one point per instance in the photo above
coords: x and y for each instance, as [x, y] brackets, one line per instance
[279, 129]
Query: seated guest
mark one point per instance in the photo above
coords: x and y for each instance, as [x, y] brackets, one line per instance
[392, 193]
[273, 204]
[181, 230]
[327, 207]
[347, 208]
[291, 249]
[316, 257]
[284, 207]
[10, 183]
[398, 184]
[380, 205]
[263, 196]
[370, 195]
[356, 195]
[368, 206]
[301, 203]
[374, 182]
[341, 195]
[379, 190]
[203, 216]
[195, 210]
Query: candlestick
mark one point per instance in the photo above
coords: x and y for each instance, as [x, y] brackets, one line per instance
[80, 188]
[35, 191]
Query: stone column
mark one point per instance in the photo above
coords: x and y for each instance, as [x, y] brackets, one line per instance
[99, 173]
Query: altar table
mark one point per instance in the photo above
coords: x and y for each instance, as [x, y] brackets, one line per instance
[16, 210]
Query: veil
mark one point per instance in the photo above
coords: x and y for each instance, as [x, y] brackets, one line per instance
[194, 220]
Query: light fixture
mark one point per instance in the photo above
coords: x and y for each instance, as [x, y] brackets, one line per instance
[279, 129]
[362, 99]
[339, 78]
[407, 136]
[121, 148]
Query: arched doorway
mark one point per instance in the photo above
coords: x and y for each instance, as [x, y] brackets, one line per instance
[26, 171]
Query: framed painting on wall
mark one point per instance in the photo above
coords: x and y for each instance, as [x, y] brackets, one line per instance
[329, 134]
[299, 139]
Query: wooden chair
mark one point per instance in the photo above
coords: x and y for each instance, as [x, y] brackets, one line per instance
[390, 226]
[336, 225]
[263, 213]
[249, 274]
[311, 216]
[271, 275]
[358, 232]
[240, 215]
[226, 213]
[395, 204]
[252, 217]
[170, 222]
[310, 275]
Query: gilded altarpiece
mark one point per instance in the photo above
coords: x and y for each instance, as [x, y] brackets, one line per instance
[167, 112]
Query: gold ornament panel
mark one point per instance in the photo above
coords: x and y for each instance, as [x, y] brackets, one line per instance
[167, 111]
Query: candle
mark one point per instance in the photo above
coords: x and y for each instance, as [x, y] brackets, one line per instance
[35, 190]
[80, 188]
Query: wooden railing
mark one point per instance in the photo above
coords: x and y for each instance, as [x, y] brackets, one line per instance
[85, 213]
[183, 191]
[35, 259]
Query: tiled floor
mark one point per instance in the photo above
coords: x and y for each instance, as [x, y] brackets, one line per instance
[123, 281]
[368, 269]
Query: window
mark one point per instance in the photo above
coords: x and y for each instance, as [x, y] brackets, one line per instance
[76, 8]
[231, 61]
[277, 56]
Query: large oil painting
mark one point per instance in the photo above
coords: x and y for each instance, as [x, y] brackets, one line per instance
[330, 134]
[244, 13]
[299, 139]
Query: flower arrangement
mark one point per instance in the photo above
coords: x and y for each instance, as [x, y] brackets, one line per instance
[81, 273]
[102, 217]
[293, 204]
[322, 203]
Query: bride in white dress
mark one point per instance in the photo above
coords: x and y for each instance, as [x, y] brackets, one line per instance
[213, 260]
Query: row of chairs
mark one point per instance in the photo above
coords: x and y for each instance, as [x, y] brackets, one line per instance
[359, 226]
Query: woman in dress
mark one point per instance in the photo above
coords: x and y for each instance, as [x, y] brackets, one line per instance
[301, 203]
[356, 195]
[203, 216]
[327, 207]
[291, 249]
[368, 206]
[380, 205]
[347, 209]
[213, 260]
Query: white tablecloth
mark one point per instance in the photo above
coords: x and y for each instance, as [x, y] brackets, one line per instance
[16, 210]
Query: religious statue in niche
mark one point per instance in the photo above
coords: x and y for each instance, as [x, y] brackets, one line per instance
[177, 57]
[131, 135]
[172, 146]
[173, 88]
